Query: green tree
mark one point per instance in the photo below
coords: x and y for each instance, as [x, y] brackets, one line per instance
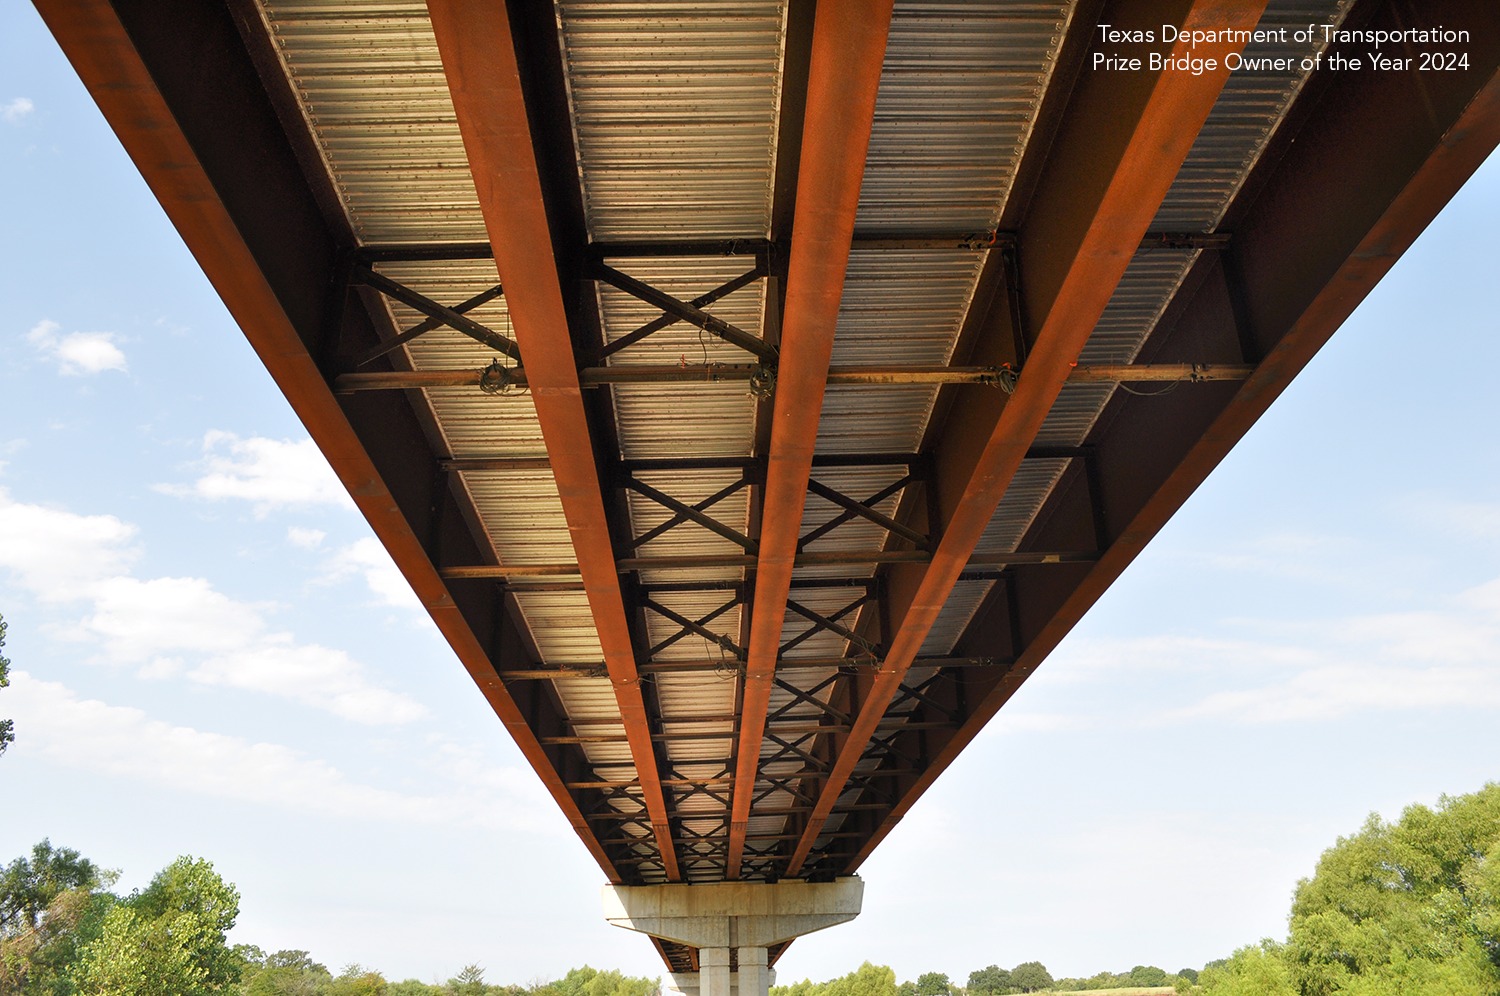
[990, 979]
[1259, 970]
[356, 980]
[1411, 907]
[167, 940]
[412, 987]
[45, 901]
[1404, 905]
[28, 886]
[7, 727]
[1030, 976]
[470, 979]
[866, 980]
[284, 973]
[614, 983]
[1147, 975]
[934, 984]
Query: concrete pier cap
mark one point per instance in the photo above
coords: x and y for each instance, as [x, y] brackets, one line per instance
[733, 914]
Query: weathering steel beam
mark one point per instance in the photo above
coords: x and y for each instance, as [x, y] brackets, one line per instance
[425, 326]
[691, 374]
[848, 51]
[790, 730]
[112, 68]
[831, 558]
[479, 60]
[1108, 172]
[667, 320]
[689, 667]
[1380, 159]
[748, 464]
[683, 311]
[441, 313]
[973, 241]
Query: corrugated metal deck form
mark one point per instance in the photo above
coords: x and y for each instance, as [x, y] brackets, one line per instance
[1242, 122]
[674, 115]
[674, 121]
[651, 157]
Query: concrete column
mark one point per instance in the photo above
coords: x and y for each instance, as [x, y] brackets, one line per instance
[754, 975]
[688, 983]
[713, 972]
[746, 916]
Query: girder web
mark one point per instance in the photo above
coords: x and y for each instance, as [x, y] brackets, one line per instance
[618, 715]
[794, 761]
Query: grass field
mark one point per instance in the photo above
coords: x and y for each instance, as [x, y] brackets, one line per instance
[1127, 991]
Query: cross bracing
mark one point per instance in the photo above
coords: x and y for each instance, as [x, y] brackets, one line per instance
[756, 397]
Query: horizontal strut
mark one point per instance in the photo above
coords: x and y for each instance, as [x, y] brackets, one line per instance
[971, 241]
[838, 376]
[832, 558]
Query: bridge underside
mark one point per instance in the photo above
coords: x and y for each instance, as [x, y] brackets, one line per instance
[755, 400]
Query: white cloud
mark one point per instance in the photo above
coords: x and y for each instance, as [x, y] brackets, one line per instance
[1090, 659]
[1468, 519]
[1444, 656]
[1339, 689]
[307, 539]
[126, 743]
[1020, 721]
[369, 559]
[160, 623]
[269, 473]
[167, 626]
[57, 554]
[314, 675]
[15, 109]
[77, 353]
[134, 621]
[1319, 558]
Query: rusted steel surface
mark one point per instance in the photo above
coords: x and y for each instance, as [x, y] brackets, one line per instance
[479, 59]
[849, 39]
[1374, 197]
[809, 559]
[105, 57]
[1090, 243]
[936, 568]
[689, 375]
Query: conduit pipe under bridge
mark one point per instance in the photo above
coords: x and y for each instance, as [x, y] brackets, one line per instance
[732, 924]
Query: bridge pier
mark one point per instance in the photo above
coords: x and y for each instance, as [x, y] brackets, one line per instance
[757, 977]
[746, 917]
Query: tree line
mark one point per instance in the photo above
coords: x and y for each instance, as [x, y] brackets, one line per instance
[992, 980]
[1410, 907]
[63, 933]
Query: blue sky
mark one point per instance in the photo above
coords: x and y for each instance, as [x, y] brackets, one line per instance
[211, 654]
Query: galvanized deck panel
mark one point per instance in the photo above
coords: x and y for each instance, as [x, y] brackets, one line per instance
[674, 115]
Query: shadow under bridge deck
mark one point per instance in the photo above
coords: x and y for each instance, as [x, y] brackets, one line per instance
[755, 393]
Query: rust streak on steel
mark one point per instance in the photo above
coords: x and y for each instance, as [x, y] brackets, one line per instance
[1092, 231]
[869, 376]
[1452, 160]
[833, 558]
[100, 49]
[848, 50]
[474, 40]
